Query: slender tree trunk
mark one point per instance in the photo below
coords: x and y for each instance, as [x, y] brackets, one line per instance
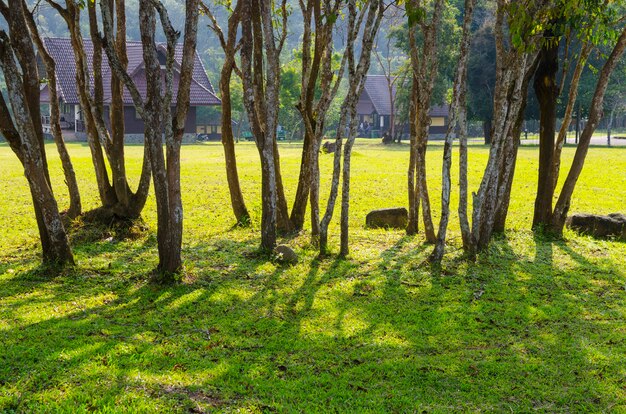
[457, 107]
[71, 15]
[422, 187]
[334, 187]
[609, 126]
[412, 226]
[510, 155]
[356, 80]
[569, 110]
[261, 80]
[283, 224]
[345, 190]
[232, 175]
[513, 70]
[298, 210]
[55, 127]
[317, 74]
[229, 46]
[466, 233]
[487, 131]
[424, 66]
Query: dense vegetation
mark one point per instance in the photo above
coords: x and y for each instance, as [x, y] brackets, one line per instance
[534, 324]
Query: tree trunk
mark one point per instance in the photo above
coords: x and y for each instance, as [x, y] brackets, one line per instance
[75, 208]
[22, 132]
[298, 210]
[457, 109]
[229, 46]
[513, 70]
[413, 226]
[317, 74]
[232, 175]
[546, 90]
[424, 67]
[261, 81]
[569, 110]
[422, 189]
[487, 131]
[283, 224]
[609, 126]
[510, 155]
[356, 80]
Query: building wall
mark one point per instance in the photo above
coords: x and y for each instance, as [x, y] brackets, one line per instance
[133, 124]
[364, 106]
[213, 132]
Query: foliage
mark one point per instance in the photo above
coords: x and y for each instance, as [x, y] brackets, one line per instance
[481, 73]
[449, 35]
[535, 324]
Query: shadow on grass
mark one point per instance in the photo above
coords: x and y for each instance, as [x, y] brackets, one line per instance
[517, 330]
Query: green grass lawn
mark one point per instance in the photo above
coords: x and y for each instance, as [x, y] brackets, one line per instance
[534, 325]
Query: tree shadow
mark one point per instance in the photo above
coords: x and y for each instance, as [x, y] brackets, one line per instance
[518, 330]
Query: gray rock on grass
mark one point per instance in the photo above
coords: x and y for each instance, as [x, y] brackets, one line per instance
[285, 254]
[388, 218]
[612, 225]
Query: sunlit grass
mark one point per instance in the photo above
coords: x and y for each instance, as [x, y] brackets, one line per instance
[533, 325]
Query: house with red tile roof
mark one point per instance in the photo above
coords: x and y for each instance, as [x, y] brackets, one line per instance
[72, 120]
[374, 109]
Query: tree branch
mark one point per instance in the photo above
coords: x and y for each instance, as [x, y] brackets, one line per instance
[114, 60]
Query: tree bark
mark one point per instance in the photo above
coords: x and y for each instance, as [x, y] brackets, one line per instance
[373, 10]
[569, 111]
[158, 118]
[413, 221]
[23, 133]
[487, 131]
[424, 66]
[115, 194]
[75, 207]
[457, 109]
[230, 49]
[317, 76]
[261, 81]
[513, 68]
[547, 92]
[232, 175]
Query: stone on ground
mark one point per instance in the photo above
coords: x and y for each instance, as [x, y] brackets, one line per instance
[612, 225]
[285, 254]
[389, 218]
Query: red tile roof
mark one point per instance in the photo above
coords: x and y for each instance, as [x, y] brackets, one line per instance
[202, 92]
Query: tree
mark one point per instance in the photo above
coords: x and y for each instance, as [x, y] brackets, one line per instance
[159, 120]
[457, 115]
[515, 64]
[230, 46]
[24, 132]
[371, 12]
[261, 80]
[115, 193]
[424, 64]
[592, 22]
[393, 68]
[318, 89]
[615, 99]
[75, 207]
[595, 112]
